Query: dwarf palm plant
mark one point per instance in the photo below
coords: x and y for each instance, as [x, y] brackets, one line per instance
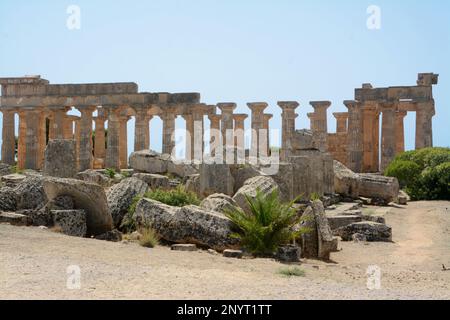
[268, 225]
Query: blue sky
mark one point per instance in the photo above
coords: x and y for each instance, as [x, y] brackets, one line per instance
[235, 50]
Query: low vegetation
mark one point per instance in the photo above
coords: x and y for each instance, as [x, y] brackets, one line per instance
[292, 272]
[110, 172]
[128, 224]
[178, 197]
[149, 238]
[424, 174]
[270, 224]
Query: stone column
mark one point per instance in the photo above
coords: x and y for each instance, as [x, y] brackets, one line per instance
[100, 144]
[112, 151]
[198, 128]
[257, 109]
[68, 128]
[123, 142]
[355, 136]
[369, 112]
[21, 148]
[8, 137]
[32, 139]
[142, 129]
[312, 122]
[77, 138]
[388, 139]
[424, 124]
[59, 115]
[288, 117]
[215, 136]
[85, 152]
[320, 131]
[189, 147]
[227, 130]
[239, 136]
[400, 131]
[341, 121]
[168, 119]
[266, 136]
[42, 138]
[376, 141]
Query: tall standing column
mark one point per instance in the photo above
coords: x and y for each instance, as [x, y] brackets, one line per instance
[59, 115]
[68, 128]
[142, 129]
[400, 131]
[388, 139]
[8, 137]
[198, 127]
[42, 138]
[311, 116]
[123, 142]
[376, 141]
[21, 148]
[215, 135]
[85, 152]
[288, 117]
[266, 135]
[355, 136]
[112, 151]
[424, 124]
[168, 132]
[257, 109]
[189, 146]
[341, 121]
[239, 136]
[100, 144]
[32, 139]
[227, 130]
[320, 131]
[369, 112]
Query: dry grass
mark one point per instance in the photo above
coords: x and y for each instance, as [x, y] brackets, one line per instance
[149, 238]
[292, 272]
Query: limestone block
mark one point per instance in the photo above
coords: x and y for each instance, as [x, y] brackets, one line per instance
[148, 161]
[30, 193]
[12, 180]
[72, 222]
[94, 176]
[15, 219]
[264, 184]
[120, 197]
[373, 232]
[242, 173]
[8, 201]
[87, 196]
[219, 203]
[60, 159]
[189, 224]
[216, 178]
[154, 181]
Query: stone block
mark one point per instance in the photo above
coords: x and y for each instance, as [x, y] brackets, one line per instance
[60, 159]
[71, 222]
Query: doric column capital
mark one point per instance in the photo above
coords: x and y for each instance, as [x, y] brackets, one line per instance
[268, 116]
[214, 117]
[227, 107]
[401, 114]
[86, 109]
[352, 104]
[240, 117]
[257, 107]
[320, 104]
[341, 115]
[311, 115]
[288, 105]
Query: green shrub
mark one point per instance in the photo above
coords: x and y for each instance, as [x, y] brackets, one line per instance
[425, 173]
[406, 171]
[178, 197]
[269, 225]
[149, 238]
[292, 272]
[110, 172]
[128, 223]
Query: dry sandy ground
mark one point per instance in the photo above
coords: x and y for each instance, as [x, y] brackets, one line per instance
[33, 265]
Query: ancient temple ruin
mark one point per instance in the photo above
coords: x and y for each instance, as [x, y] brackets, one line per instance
[43, 115]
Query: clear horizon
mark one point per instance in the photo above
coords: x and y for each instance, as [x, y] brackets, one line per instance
[235, 51]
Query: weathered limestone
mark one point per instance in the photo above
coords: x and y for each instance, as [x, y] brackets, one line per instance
[100, 143]
[123, 142]
[288, 117]
[227, 129]
[141, 129]
[216, 178]
[266, 185]
[388, 146]
[8, 137]
[355, 136]
[215, 136]
[218, 202]
[424, 125]
[400, 131]
[320, 124]
[369, 113]
[258, 133]
[168, 133]
[85, 158]
[341, 121]
[71, 222]
[239, 136]
[113, 146]
[60, 159]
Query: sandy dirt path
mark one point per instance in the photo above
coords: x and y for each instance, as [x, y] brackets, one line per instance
[33, 265]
